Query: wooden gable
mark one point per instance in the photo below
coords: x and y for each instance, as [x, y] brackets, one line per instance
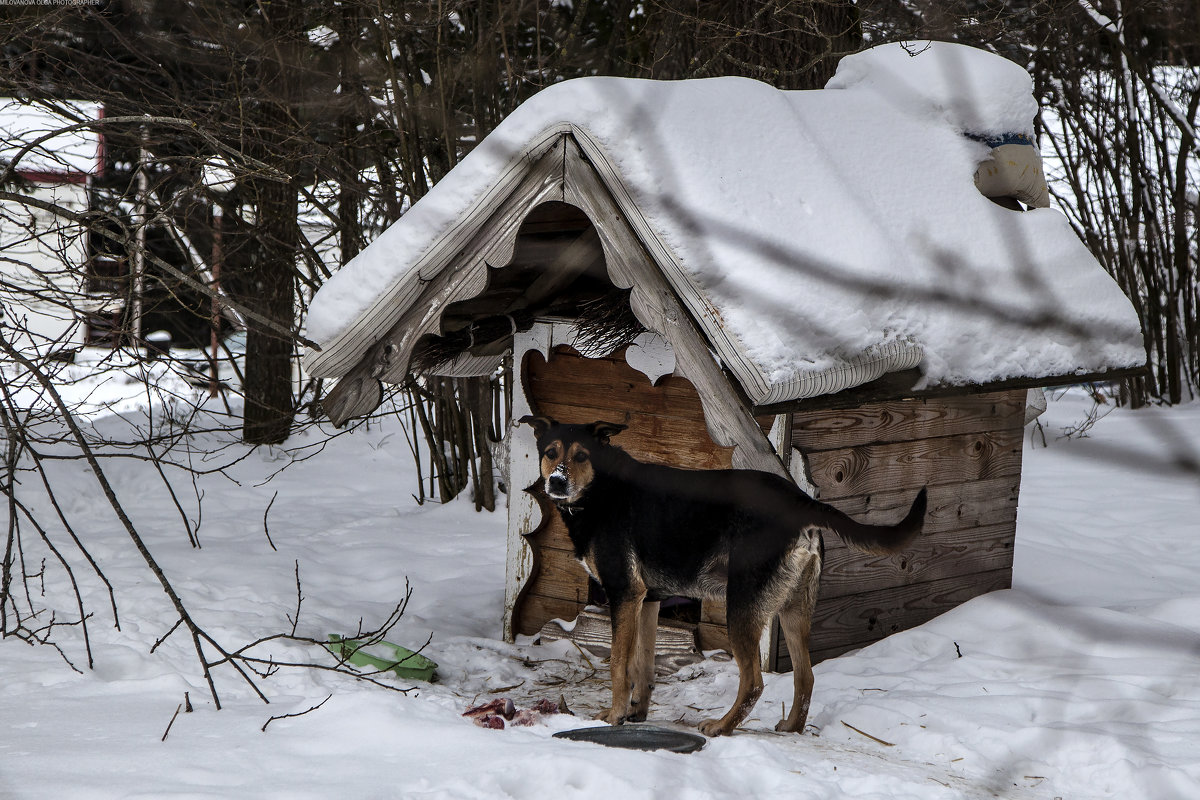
[455, 275]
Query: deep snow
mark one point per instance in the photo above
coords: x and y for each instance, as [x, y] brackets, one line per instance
[1078, 683]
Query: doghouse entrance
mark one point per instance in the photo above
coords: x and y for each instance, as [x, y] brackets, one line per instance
[666, 425]
[675, 644]
[679, 610]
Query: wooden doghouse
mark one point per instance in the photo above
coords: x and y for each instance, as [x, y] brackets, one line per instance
[866, 456]
[643, 258]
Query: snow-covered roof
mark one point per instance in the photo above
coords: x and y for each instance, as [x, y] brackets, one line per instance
[809, 232]
[73, 153]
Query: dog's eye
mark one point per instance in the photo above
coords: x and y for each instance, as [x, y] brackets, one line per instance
[552, 454]
[581, 457]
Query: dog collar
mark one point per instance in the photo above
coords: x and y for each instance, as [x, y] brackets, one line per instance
[568, 509]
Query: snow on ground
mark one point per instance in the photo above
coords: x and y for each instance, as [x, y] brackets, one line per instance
[1078, 683]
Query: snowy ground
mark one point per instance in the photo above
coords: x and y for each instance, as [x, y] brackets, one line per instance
[1078, 683]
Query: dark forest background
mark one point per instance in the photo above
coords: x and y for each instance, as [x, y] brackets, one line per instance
[333, 118]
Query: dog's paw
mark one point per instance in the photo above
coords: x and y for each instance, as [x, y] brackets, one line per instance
[784, 726]
[713, 727]
[611, 717]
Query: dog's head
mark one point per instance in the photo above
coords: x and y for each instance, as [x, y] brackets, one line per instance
[566, 453]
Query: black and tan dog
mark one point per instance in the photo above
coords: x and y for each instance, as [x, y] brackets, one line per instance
[648, 532]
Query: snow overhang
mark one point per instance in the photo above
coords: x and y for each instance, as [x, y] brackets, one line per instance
[818, 239]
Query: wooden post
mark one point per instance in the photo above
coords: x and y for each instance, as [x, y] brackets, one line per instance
[214, 378]
[523, 511]
[139, 252]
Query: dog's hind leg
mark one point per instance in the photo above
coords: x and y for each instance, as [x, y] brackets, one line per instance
[641, 664]
[795, 618]
[745, 629]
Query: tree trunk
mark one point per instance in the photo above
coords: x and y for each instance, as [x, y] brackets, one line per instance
[270, 404]
[271, 288]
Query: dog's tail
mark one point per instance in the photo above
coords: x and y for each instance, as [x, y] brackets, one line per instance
[879, 539]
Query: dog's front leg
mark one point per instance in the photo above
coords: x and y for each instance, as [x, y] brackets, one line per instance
[641, 665]
[625, 614]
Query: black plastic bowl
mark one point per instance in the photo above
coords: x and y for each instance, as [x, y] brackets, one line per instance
[636, 737]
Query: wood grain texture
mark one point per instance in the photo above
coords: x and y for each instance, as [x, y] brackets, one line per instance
[935, 556]
[950, 505]
[614, 384]
[535, 607]
[666, 421]
[713, 611]
[561, 575]
[854, 621]
[869, 462]
[910, 465]
[906, 420]
[593, 630]
[654, 301]
[713, 636]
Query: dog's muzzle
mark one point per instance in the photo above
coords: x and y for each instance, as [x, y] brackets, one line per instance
[557, 485]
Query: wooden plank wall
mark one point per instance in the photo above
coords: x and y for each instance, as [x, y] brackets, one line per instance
[666, 425]
[869, 462]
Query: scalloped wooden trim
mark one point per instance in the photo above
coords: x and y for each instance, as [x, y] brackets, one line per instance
[451, 274]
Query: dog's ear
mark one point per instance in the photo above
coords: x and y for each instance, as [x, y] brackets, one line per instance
[540, 424]
[603, 431]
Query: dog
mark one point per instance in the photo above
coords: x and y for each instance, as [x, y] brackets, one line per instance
[648, 532]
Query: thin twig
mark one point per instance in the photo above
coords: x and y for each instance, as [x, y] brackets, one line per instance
[297, 714]
[172, 722]
[119, 510]
[299, 599]
[267, 530]
[187, 524]
[167, 635]
[869, 736]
